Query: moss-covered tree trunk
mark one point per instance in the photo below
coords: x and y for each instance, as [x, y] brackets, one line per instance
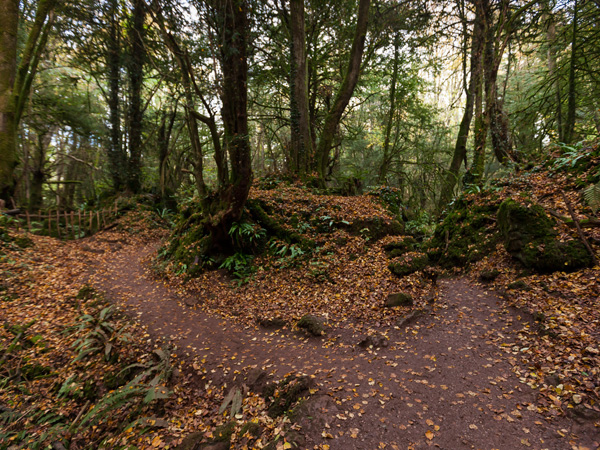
[227, 205]
[136, 80]
[9, 24]
[15, 81]
[116, 155]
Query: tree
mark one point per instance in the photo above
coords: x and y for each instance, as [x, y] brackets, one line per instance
[344, 93]
[15, 81]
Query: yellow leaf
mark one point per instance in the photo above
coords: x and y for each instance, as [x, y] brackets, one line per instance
[429, 435]
[429, 422]
[287, 446]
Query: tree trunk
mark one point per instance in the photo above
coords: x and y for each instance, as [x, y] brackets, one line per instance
[386, 157]
[15, 81]
[301, 142]
[572, 100]
[9, 25]
[136, 80]
[473, 97]
[116, 155]
[552, 73]
[235, 118]
[344, 94]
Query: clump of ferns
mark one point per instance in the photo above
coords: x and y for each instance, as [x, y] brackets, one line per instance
[102, 335]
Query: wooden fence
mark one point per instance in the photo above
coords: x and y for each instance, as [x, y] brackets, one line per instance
[69, 224]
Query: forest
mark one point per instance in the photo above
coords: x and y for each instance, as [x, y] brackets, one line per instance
[299, 224]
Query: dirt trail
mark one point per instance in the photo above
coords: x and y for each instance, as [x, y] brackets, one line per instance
[444, 380]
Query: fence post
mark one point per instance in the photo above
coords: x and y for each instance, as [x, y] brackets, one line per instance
[49, 222]
[91, 222]
[79, 226]
[58, 223]
[28, 221]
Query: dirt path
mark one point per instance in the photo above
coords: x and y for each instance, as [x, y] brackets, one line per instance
[444, 380]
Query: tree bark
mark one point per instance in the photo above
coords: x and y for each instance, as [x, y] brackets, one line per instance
[301, 142]
[473, 95]
[136, 81]
[9, 25]
[15, 81]
[386, 157]
[572, 99]
[116, 155]
[345, 91]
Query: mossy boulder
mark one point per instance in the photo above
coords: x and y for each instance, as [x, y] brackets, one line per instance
[408, 264]
[399, 247]
[529, 237]
[466, 233]
[311, 324]
[489, 275]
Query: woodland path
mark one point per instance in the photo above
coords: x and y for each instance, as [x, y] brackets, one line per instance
[444, 380]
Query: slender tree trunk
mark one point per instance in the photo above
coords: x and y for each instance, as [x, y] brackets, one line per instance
[386, 158]
[552, 73]
[113, 61]
[301, 142]
[344, 94]
[38, 174]
[473, 95]
[481, 119]
[136, 81]
[572, 100]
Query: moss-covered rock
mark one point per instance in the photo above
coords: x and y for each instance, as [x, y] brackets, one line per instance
[519, 285]
[529, 236]
[399, 247]
[224, 432]
[489, 275]
[311, 324]
[467, 232]
[408, 263]
[285, 395]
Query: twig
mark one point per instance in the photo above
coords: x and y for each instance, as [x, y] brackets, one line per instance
[579, 230]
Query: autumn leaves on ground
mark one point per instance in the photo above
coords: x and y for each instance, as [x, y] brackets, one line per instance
[336, 329]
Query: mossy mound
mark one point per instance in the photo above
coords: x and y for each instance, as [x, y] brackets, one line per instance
[529, 236]
[409, 263]
[399, 247]
[467, 232]
[312, 325]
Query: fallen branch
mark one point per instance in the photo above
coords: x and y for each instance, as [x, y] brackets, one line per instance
[590, 222]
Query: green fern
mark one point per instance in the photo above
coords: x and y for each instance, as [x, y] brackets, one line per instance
[592, 196]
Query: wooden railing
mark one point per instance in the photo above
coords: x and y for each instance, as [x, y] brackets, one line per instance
[68, 224]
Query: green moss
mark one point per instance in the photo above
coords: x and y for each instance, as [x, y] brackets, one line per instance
[252, 428]
[409, 264]
[311, 324]
[466, 233]
[529, 236]
[224, 432]
[287, 393]
[23, 241]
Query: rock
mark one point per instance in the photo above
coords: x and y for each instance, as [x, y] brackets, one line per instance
[529, 237]
[398, 248]
[273, 322]
[489, 275]
[376, 341]
[581, 413]
[256, 380]
[250, 428]
[312, 325]
[285, 394]
[552, 380]
[87, 248]
[409, 263]
[398, 299]
[411, 317]
[519, 285]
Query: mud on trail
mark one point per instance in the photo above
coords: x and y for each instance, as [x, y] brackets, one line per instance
[446, 379]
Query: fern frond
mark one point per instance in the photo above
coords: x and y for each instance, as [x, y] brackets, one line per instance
[592, 196]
